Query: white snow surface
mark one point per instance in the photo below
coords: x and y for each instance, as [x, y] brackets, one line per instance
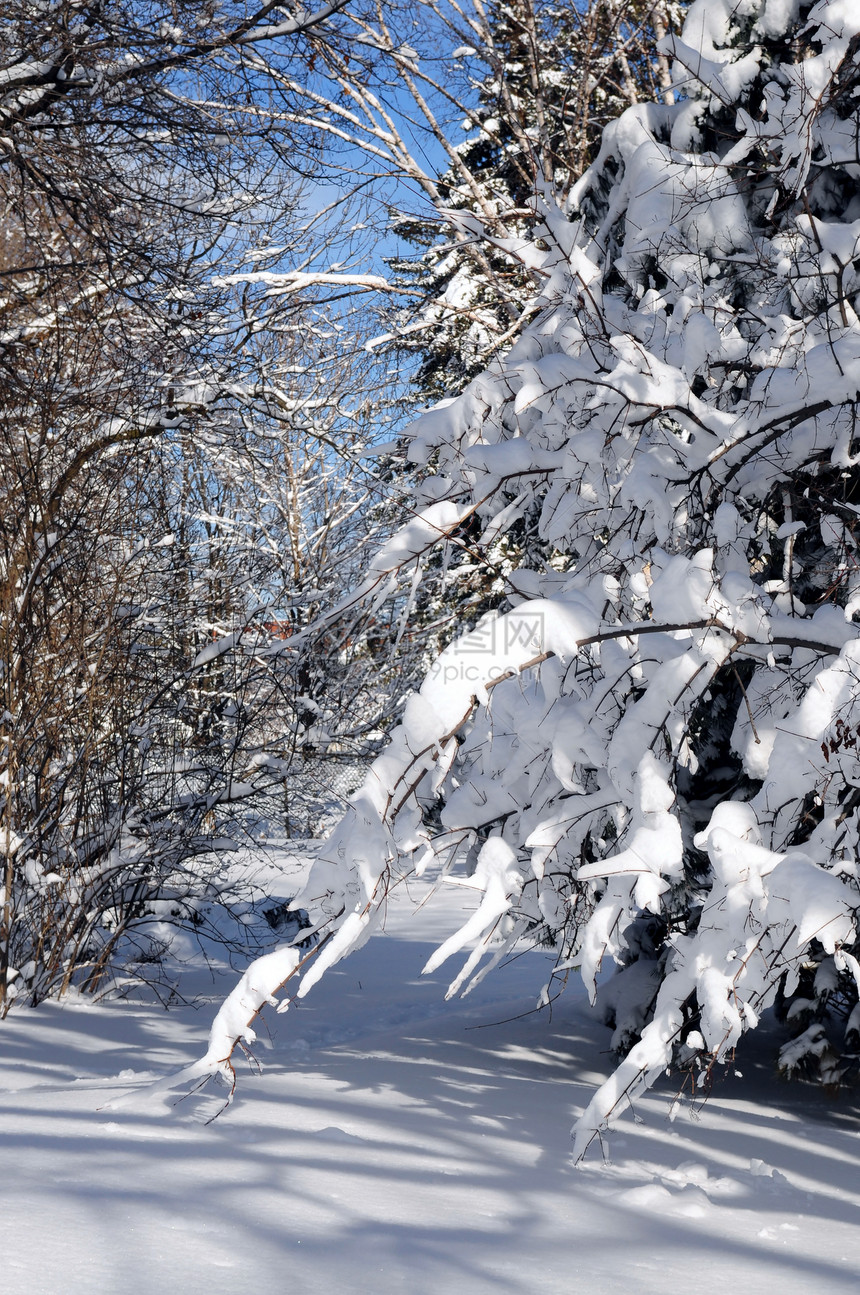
[394, 1143]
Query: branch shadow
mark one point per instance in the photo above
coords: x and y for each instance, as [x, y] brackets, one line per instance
[392, 1142]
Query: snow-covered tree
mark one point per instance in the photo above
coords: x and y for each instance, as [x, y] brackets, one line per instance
[647, 756]
[152, 408]
[541, 80]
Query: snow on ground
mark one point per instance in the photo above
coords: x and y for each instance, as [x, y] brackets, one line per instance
[396, 1143]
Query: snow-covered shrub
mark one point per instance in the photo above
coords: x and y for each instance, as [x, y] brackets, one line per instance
[648, 755]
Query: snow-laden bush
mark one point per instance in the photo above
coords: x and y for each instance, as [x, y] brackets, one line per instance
[649, 755]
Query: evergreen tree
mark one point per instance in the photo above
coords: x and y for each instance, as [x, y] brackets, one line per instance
[647, 756]
[546, 79]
